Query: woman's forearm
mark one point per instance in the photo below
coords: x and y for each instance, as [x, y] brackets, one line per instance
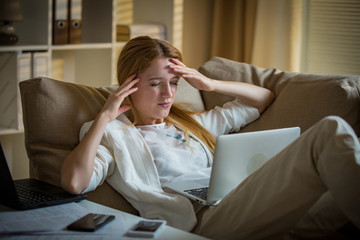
[77, 168]
[250, 94]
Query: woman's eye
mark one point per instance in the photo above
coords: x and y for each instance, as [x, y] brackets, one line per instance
[174, 83]
[154, 84]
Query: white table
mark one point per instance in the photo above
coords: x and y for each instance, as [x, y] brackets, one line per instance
[127, 221]
[166, 234]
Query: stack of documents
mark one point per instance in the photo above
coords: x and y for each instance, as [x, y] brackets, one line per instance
[125, 32]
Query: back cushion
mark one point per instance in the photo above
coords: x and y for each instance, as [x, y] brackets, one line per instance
[301, 99]
[53, 113]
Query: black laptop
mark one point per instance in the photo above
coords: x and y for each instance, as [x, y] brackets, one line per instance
[30, 193]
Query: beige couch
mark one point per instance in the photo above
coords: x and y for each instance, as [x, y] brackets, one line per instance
[54, 111]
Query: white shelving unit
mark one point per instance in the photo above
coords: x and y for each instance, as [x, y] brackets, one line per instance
[93, 62]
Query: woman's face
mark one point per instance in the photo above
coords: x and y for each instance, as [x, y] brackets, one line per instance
[156, 92]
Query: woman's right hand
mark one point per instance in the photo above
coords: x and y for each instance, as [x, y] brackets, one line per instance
[78, 166]
[112, 108]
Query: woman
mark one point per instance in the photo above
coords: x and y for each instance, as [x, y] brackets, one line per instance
[159, 141]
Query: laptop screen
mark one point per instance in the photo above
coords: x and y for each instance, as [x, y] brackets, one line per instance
[6, 182]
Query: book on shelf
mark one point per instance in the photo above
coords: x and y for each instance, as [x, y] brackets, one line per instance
[40, 64]
[125, 32]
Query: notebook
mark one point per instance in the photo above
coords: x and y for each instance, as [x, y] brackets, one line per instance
[30, 193]
[236, 157]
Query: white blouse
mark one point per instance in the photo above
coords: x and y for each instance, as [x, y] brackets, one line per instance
[172, 156]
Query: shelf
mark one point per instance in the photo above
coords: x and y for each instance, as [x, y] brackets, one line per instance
[24, 48]
[120, 44]
[7, 131]
[60, 47]
[82, 46]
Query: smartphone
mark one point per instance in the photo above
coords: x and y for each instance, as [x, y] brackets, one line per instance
[91, 222]
[146, 228]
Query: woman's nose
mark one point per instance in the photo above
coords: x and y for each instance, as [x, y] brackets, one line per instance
[166, 91]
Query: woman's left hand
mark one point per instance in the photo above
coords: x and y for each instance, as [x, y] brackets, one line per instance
[249, 94]
[192, 76]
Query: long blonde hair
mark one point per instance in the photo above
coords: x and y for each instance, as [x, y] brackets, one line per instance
[136, 56]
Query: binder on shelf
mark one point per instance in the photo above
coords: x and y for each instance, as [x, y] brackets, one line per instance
[40, 64]
[8, 94]
[60, 22]
[75, 21]
[16, 67]
[24, 73]
[125, 32]
[24, 66]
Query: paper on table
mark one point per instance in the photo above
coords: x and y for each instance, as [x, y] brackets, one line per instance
[51, 220]
[65, 237]
[41, 219]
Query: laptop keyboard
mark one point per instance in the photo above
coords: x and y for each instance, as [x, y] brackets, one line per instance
[29, 196]
[199, 192]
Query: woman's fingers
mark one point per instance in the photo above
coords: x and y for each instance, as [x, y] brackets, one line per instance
[127, 92]
[177, 61]
[112, 107]
[191, 75]
[124, 108]
[128, 84]
[183, 70]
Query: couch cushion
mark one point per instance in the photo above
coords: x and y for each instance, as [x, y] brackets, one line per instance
[301, 99]
[189, 95]
[224, 69]
[53, 113]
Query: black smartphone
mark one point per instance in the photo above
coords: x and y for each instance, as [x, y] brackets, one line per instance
[91, 222]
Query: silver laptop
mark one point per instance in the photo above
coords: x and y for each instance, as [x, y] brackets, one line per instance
[236, 157]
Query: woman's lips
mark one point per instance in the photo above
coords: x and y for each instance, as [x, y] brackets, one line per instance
[165, 105]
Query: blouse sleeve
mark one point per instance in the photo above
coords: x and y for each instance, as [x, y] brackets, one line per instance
[104, 160]
[231, 117]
